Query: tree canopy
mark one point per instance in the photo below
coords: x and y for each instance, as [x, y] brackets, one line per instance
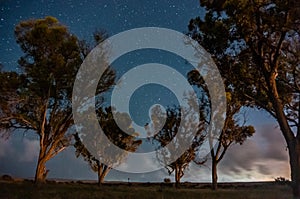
[234, 130]
[39, 97]
[178, 128]
[255, 45]
[117, 137]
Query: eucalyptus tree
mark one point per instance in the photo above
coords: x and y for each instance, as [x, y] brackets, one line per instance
[256, 45]
[38, 98]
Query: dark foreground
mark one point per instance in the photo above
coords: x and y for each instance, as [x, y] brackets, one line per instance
[73, 190]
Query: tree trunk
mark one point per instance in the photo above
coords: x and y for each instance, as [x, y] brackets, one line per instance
[100, 176]
[293, 142]
[294, 153]
[41, 172]
[102, 172]
[177, 177]
[214, 175]
[101, 179]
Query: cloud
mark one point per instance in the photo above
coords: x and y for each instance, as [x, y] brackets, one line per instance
[273, 143]
[264, 169]
[30, 152]
[240, 158]
[262, 155]
[12, 159]
[66, 165]
[6, 148]
[155, 176]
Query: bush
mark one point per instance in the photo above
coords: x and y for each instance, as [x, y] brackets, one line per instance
[282, 180]
[167, 180]
[7, 178]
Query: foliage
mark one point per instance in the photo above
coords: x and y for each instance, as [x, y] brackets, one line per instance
[179, 126]
[6, 177]
[233, 131]
[167, 180]
[255, 45]
[117, 137]
[39, 97]
[282, 180]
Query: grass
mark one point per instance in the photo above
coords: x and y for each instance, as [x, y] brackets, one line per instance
[26, 189]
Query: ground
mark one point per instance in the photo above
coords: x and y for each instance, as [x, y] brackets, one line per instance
[70, 189]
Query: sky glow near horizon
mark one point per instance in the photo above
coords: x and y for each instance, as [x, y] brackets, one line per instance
[262, 157]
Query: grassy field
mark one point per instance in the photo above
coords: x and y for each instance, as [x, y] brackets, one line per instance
[72, 190]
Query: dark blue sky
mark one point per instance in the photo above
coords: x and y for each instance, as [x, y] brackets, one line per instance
[83, 17]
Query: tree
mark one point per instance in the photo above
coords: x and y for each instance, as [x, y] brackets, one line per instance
[233, 130]
[115, 135]
[179, 128]
[256, 47]
[39, 99]
[9, 84]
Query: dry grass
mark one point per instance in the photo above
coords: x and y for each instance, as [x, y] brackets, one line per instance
[27, 189]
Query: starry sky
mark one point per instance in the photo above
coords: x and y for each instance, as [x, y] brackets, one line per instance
[84, 17]
[257, 159]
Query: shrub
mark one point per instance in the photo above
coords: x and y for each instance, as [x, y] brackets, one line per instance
[7, 178]
[282, 180]
[167, 180]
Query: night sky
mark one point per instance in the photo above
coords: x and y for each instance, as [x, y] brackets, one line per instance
[84, 17]
[257, 159]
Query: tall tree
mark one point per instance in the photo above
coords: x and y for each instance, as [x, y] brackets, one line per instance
[178, 128]
[233, 131]
[39, 100]
[117, 137]
[256, 47]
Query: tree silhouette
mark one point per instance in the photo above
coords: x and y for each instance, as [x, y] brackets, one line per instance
[178, 128]
[256, 47]
[39, 97]
[233, 130]
[126, 142]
